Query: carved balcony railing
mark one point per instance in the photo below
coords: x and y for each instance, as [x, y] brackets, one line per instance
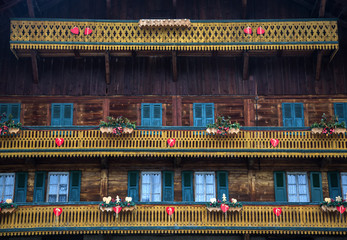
[255, 219]
[189, 143]
[213, 35]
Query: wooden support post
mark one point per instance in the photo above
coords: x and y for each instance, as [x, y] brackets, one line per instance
[179, 110]
[244, 9]
[108, 9]
[106, 108]
[322, 8]
[174, 110]
[245, 65]
[104, 178]
[34, 66]
[31, 8]
[174, 66]
[107, 67]
[319, 65]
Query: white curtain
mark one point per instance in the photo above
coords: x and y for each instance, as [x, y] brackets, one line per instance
[344, 185]
[297, 187]
[205, 186]
[58, 187]
[6, 186]
[151, 187]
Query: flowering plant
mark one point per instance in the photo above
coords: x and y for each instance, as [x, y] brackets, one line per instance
[329, 202]
[213, 203]
[7, 124]
[329, 126]
[114, 202]
[7, 204]
[118, 125]
[223, 126]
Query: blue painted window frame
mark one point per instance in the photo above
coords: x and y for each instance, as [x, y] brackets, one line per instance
[60, 119]
[149, 116]
[337, 108]
[205, 118]
[291, 119]
[10, 108]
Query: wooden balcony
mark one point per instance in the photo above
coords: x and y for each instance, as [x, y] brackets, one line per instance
[189, 143]
[151, 219]
[45, 35]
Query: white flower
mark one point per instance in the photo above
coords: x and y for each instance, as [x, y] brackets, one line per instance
[128, 199]
[224, 198]
[233, 200]
[9, 200]
[117, 199]
[328, 200]
[107, 200]
[213, 200]
[338, 199]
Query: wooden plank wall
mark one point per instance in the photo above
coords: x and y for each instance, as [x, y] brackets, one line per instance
[177, 110]
[249, 179]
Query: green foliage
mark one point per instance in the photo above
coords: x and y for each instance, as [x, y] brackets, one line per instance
[4, 205]
[120, 121]
[9, 123]
[329, 123]
[329, 202]
[222, 126]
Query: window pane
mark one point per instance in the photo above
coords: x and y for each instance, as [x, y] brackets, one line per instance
[58, 187]
[151, 187]
[297, 187]
[6, 186]
[344, 184]
[52, 198]
[204, 187]
[62, 198]
[53, 189]
[62, 189]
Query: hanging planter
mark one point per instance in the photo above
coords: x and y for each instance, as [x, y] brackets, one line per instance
[8, 206]
[117, 126]
[328, 127]
[223, 126]
[317, 130]
[331, 205]
[9, 126]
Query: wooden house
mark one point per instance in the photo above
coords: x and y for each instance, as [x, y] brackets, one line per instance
[173, 66]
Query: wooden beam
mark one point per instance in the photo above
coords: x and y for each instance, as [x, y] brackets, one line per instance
[174, 66]
[244, 9]
[174, 110]
[31, 8]
[245, 65]
[322, 8]
[34, 66]
[319, 65]
[106, 108]
[107, 67]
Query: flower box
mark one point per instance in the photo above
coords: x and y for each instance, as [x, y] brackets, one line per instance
[106, 129]
[13, 130]
[317, 130]
[235, 209]
[340, 130]
[128, 209]
[233, 130]
[107, 209]
[213, 209]
[7, 210]
[328, 209]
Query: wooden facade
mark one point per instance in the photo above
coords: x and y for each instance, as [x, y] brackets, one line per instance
[300, 59]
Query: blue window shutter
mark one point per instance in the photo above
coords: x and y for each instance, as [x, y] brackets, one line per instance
[209, 113]
[187, 186]
[168, 186]
[4, 108]
[75, 186]
[67, 116]
[56, 114]
[299, 120]
[39, 187]
[15, 112]
[316, 187]
[341, 111]
[280, 187]
[156, 110]
[133, 185]
[145, 114]
[287, 115]
[334, 184]
[222, 184]
[198, 114]
[20, 194]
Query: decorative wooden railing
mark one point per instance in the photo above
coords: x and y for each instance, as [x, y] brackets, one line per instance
[189, 143]
[295, 219]
[214, 35]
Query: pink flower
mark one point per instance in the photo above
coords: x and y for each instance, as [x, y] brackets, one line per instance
[128, 204]
[5, 127]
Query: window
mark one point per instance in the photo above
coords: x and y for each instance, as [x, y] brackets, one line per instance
[58, 183]
[293, 114]
[294, 187]
[61, 186]
[203, 114]
[13, 186]
[11, 108]
[337, 182]
[155, 186]
[150, 186]
[341, 111]
[151, 114]
[205, 186]
[62, 114]
[6, 186]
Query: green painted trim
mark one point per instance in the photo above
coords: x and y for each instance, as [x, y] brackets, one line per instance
[51, 229]
[173, 150]
[171, 44]
[193, 21]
